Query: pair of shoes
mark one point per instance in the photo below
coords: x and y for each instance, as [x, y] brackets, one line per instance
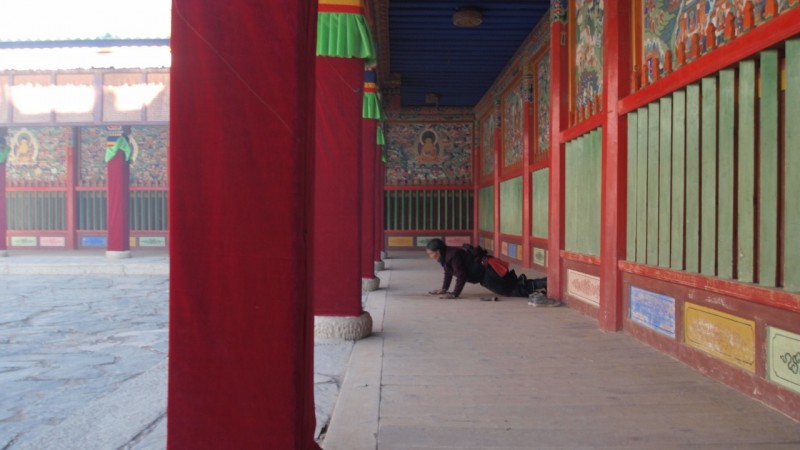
[540, 299]
[488, 299]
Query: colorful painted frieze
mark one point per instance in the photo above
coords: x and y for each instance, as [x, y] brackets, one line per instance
[584, 287]
[783, 358]
[721, 335]
[588, 54]
[654, 311]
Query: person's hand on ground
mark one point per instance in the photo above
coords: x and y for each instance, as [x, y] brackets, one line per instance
[448, 295]
[437, 292]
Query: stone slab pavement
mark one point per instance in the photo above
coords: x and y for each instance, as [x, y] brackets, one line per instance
[83, 352]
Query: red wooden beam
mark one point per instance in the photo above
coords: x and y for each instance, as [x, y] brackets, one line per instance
[763, 37]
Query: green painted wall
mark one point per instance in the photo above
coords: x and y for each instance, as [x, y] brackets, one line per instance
[583, 194]
[540, 183]
[486, 209]
[511, 207]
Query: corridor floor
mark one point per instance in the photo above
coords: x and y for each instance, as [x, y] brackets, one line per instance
[469, 374]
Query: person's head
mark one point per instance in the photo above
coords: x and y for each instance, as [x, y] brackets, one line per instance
[436, 249]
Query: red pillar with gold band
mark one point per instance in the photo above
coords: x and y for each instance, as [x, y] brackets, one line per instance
[118, 156]
[370, 114]
[343, 43]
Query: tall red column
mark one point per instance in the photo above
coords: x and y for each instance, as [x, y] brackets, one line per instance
[241, 142]
[616, 82]
[336, 264]
[4, 151]
[117, 211]
[559, 87]
[369, 153]
[380, 177]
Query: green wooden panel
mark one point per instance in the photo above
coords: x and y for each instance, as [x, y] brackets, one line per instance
[570, 197]
[768, 170]
[511, 207]
[597, 189]
[485, 208]
[641, 187]
[630, 228]
[583, 200]
[579, 214]
[692, 251]
[540, 182]
[652, 183]
[664, 181]
[791, 244]
[725, 194]
[708, 181]
[746, 172]
[678, 178]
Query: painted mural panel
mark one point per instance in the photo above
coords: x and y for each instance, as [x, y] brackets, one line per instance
[583, 286]
[38, 156]
[150, 167]
[542, 146]
[654, 311]
[487, 145]
[588, 51]
[783, 358]
[691, 26]
[513, 124]
[148, 159]
[429, 153]
[722, 335]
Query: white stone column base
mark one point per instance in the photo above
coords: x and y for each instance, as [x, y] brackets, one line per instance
[379, 265]
[370, 284]
[348, 328]
[118, 255]
[3, 253]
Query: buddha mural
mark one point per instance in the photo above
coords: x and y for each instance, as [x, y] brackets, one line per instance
[24, 148]
[428, 150]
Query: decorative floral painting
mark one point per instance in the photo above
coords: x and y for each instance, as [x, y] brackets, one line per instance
[542, 69]
[666, 23]
[429, 153]
[148, 159]
[513, 125]
[588, 51]
[487, 144]
[38, 156]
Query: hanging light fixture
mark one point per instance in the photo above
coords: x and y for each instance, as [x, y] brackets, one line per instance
[467, 16]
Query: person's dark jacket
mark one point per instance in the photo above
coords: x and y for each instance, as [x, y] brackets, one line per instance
[456, 261]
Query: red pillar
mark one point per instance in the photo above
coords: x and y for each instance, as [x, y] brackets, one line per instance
[559, 116]
[527, 200]
[241, 141]
[369, 152]
[117, 211]
[498, 161]
[379, 215]
[3, 208]
[616, 57]
[336, 265]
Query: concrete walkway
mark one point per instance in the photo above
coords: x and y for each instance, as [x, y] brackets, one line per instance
[467, 374]
[83, 352]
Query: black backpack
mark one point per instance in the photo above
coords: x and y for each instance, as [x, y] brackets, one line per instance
[475, 267]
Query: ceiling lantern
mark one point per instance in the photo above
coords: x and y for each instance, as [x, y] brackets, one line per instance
[467, 16]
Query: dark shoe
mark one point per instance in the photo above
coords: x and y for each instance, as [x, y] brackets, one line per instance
[538, 299]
